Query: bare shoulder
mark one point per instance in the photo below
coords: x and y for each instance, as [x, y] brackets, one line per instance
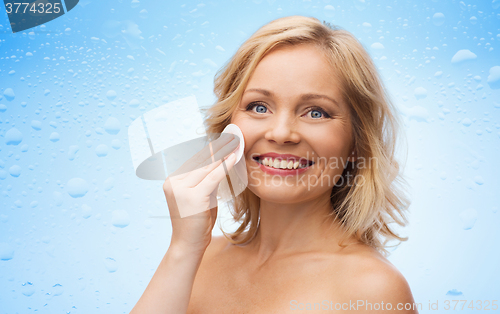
[373, 279]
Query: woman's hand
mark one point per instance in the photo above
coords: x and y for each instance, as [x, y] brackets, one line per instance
[191, 193]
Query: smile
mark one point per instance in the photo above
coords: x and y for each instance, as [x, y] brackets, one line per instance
[283, 166]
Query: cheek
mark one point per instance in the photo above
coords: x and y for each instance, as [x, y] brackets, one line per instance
[331, 146]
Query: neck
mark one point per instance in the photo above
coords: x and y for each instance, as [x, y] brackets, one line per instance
[286, 229]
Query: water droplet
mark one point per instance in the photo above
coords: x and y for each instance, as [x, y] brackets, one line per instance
[86, 211]
[110, 264]
[135, 3]
[6, 251]
[36, 125]
[367, 27]
[28, 289]
[134, 103]
[479, 180]
[469, 217]
[111, 95]
[494, 77]
[466, 122]
[377, 46]
[101, 150]
[77, 187]
[9, 94]
[15, 171]
[454, 292]
[57, 289]
[132, 34]
[73, 149]
[116, 144]
[473, 20]
[438, 19]
[109, 183]
[329, 10]
[112, 125]
[420, 93]
[13, 137]
[120, 218]
[54, 137]
[462, 56]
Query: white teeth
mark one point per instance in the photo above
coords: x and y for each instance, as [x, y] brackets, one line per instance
[267, 161]
[276, 163]
[281, 164]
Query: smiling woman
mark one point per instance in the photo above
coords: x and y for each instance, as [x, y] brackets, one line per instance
[323, 186]
[296, 67]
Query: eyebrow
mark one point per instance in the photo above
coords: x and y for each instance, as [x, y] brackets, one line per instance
[303, 97]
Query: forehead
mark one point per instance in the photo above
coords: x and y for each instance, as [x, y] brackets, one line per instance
[296, 69]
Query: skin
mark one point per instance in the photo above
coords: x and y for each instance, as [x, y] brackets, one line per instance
[295, 254]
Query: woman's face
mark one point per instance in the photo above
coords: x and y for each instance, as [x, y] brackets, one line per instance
[293, 105]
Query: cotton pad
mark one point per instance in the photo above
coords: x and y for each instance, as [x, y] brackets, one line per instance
[235, 130]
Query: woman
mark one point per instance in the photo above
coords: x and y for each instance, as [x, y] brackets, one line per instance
[311, 238]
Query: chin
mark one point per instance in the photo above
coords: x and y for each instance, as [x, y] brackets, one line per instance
[277, 194]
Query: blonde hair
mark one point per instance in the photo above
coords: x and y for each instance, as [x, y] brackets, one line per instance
[365, 211]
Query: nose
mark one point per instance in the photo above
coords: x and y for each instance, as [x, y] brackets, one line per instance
[282, 130]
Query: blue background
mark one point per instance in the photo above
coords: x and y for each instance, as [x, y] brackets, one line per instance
[77, 233]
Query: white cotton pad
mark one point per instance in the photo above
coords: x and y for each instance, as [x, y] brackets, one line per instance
[234, 129]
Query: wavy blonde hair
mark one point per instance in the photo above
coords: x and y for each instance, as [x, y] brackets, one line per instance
[365, 211]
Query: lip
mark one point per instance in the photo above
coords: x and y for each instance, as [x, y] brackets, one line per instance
[281, 172]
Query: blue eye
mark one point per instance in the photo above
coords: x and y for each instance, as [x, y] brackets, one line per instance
[318, 115]
[317, 112]
[260, 108]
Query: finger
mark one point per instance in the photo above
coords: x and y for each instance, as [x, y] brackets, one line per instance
[212, 180]
[222, 148]
[225, 150]
[206, 155]
[217, 149]
[194, 177]
[209, 153]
